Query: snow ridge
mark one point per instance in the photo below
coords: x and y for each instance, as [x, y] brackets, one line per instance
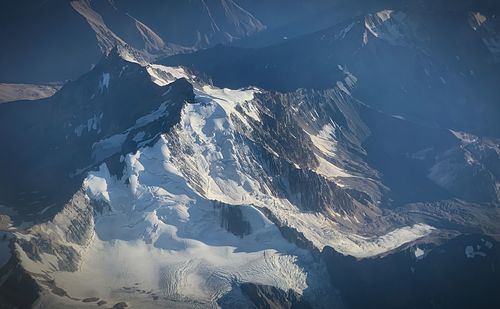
[163, 210]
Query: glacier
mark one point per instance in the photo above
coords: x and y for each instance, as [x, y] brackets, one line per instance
[157, 231]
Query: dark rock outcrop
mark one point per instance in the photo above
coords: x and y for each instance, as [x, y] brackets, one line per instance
[461, 273]
[269, 297]
[232, 219]
[112, 110]
[17, 288]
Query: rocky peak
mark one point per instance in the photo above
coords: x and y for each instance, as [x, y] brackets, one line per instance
[113, 109]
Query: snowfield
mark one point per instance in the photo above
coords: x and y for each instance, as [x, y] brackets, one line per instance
[160, 234]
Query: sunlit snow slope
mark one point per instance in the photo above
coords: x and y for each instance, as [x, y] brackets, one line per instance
[210, 206]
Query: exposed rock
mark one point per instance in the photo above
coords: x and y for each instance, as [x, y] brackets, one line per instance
[232, 219]
[18, 289]
[120, 305]
[15, 92]
[89, 121]
[421, 276]
[77, 220]
[269, 297]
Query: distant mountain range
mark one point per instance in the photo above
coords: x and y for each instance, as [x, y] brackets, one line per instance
[223, 154]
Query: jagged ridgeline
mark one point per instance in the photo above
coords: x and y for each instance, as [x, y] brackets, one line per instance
[351, 163]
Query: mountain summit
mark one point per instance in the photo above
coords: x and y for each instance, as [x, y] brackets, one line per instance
[222, 154]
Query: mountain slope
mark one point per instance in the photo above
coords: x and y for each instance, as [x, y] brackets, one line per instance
[238, 187]
[16, 92]
[336, 169]
[59, 138]
[41, 36]
[434, 68]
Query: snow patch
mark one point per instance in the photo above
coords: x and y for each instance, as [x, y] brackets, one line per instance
[387, 25]
[93, 123]
[104, 82]
[419, 253]
[96, 184]
[470, 253]
[346, 30]
[464, 137]
[163, 75]
[325, 142]
[476, 20]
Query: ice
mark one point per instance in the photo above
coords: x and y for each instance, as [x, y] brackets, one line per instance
[160, 228]
[158, 218]
[224, 171]
[419, 253]
[96, 184]
[228, 99]
[384, 14]
[398, 117]
[161, 111]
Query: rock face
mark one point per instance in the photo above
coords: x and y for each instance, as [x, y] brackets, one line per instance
[64, 237]
[107, 112]
[277, 176]
[41, 36]
[64, 240]
[403, 64]
[16, 92]
[270, 297]
[17, 288]
[145, 185]
[474, 161]
[232, 219]
[421, 276]
[250, 295]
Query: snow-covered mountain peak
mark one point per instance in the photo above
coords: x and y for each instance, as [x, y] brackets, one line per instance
[205, 191]
[336, 159]
[388, 25]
